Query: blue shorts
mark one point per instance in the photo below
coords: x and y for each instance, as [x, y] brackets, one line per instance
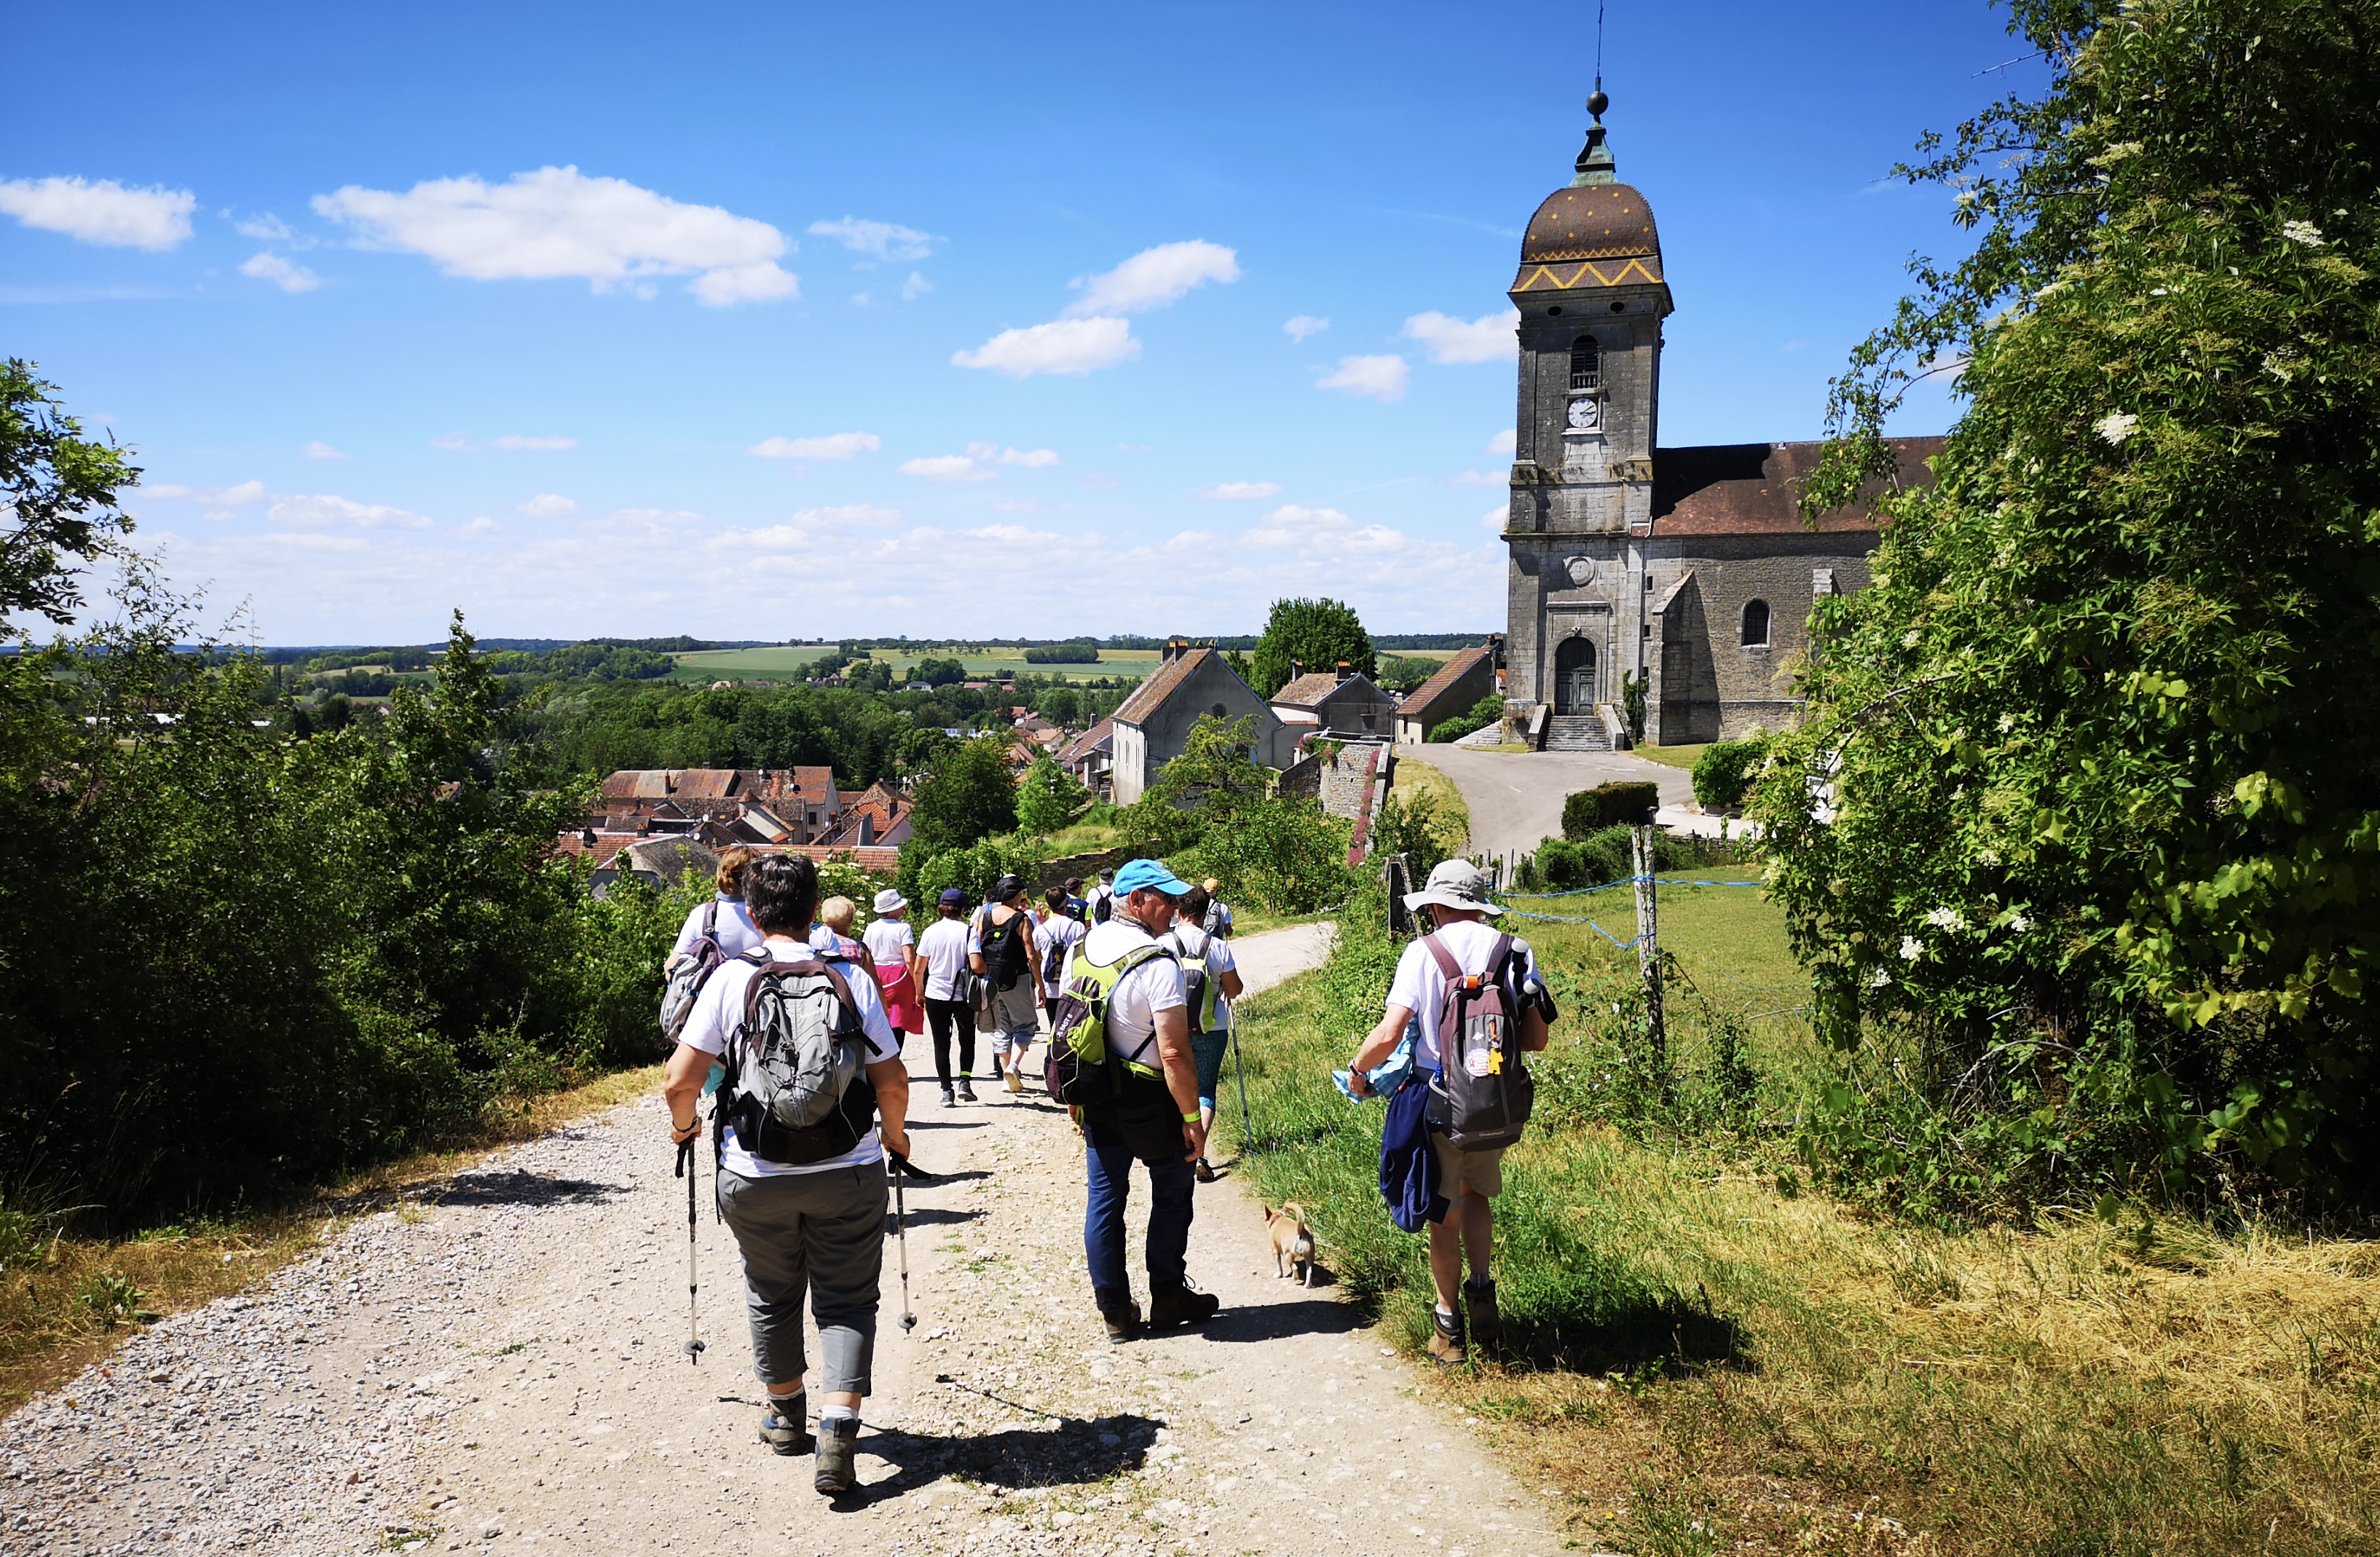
[1208, 1049]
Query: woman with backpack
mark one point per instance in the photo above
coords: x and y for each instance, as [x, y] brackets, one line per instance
[943, 952]
[724, 917]
[812, 1068]
[1001, 951]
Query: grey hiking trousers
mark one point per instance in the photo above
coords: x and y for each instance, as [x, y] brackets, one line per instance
[823, 1232]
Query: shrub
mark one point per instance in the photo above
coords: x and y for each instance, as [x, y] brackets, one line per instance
[1486, 711]
[1724, 772]
[1608, 805]
[1606, 854]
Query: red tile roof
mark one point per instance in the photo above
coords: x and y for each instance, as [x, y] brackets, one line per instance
[1458, 665]
[1751, 488]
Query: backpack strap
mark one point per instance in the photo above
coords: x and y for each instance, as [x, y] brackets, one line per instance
[711, 918]
[772, 968]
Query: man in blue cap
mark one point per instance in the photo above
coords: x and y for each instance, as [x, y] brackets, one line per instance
[1148, 1025]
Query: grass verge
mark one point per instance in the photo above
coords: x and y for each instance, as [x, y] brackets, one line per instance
[1671, 756]
[1417, 781]
[67, 1302]
[1703, 1357]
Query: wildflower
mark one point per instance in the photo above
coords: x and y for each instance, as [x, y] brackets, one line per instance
[1878, 978]
[1988, 856]
[2008, 722]
[1909, 639]
[2019, 923]
[2116, 426]
[2302, 232]
[1911, 948]
[1944, 918]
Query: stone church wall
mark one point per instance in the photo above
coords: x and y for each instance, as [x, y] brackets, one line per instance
[1710, 684]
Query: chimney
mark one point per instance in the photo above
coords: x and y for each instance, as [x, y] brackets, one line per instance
[1296, 669]
[1346, 670]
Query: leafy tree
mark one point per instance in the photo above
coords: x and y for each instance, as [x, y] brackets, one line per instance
[939, 672]
[2085, 802]
[1318, 633]
[58, 500]
[971, 795]
[1049, 797]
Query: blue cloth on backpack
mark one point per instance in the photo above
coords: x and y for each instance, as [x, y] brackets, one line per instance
[1387, 1076]
[1408, 1166]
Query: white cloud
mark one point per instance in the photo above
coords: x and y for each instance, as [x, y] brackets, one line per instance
[1305, 324]
[547, 506]
[1233, 490]
[104, 213]
[319, 450]
[849, 514]
[946, 468]
[528, 441]
[328, 511]
[1494, 519]
[1479, 479]
[915, 287]
[1153, 279]
[1379, 378]
[218, 497]
[1505, 442]
[1487, 338]
[480, 526]
[557, 222]
[832, 445]
[452, 442]
[992, 454]
[269, 228]
[886, 240]
[1063, 346]
[286, 274]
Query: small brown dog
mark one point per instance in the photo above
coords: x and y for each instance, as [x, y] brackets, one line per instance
[1293, 1242]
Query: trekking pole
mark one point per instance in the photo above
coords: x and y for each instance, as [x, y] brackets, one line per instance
[686, 1170]
[1240, 1066]
[900, 1227]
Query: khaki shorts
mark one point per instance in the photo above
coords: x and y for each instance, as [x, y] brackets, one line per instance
[1483, 1171]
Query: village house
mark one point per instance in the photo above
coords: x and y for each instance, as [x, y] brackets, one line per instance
[1345, 706]
[1469, 676]
[1153, 725]
[801, 803]
[1090, 756]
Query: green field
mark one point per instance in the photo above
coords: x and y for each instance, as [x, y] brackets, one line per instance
[753, 665]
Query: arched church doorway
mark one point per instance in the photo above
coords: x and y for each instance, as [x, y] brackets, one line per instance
[1574, 676]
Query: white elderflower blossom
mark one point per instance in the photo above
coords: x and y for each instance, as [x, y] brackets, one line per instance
[1944, 917]
[1911, 948]
[2116, 426]
[2302, 232]
[2008, 722]
[1878, 978]
[1988, 856]
[1909, 639]
[2019, 923]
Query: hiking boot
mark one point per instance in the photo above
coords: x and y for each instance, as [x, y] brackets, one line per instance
[967, 1093]
[1122, 1318]
[782, 1425]
[1204, 1174]
[948, 1100]
[838, 1442]
[1486, 1325]
[1445, 1340]
[1178, 1304]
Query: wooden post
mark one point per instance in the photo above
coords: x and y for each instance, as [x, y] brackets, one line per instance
[1648, 949]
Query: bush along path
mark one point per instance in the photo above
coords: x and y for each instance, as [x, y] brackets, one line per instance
[500, 1363]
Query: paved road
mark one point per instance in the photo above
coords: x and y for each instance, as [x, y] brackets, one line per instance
[1516, 796]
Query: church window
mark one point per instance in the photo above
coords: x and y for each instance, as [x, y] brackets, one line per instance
[1585, 364]
[1756, 624]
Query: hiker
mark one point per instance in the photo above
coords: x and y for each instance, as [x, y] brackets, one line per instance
[1153, 1114]
[1001, 950]
[1077, 908]
[807, 1206]
[899, 970]
[1100, 905]
[1210, 981]
[1453, 906]
[1217, 917]
[943, 950]
[1060, 933]
[833, 933]
[731, 921]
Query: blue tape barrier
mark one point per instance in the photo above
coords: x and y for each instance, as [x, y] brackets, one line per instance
[1627, 880]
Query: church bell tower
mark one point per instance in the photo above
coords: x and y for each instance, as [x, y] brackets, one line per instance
[1592, 300]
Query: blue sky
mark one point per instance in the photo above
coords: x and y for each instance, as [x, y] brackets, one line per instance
[408, 308]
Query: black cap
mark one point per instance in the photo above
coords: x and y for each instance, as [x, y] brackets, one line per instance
[1008, 886]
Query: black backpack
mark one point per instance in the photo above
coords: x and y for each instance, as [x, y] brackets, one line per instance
[1004, 962]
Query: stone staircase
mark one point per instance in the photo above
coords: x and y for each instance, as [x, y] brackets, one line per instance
[1576, 732]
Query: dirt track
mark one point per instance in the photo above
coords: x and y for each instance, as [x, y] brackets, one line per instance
[501, 1366]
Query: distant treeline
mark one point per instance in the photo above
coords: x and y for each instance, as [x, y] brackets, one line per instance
[421, 656]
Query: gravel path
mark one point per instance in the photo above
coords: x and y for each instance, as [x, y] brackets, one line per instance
[499, 1365]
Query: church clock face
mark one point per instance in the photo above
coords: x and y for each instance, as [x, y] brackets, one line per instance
[1586, 413]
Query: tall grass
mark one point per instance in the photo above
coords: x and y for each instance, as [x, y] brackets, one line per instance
[1704, 1355]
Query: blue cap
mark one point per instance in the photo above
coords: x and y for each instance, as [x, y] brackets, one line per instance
[954, 896]
[1149, 873]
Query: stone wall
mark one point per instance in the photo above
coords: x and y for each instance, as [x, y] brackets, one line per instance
[1709, 685]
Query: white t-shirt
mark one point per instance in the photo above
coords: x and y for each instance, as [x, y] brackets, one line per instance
[1154, 986]
[1420, 987]
[888, 941]
[944, 946]
[1064, 933]
[1184, 939]
[718, 1013]
[736, 932]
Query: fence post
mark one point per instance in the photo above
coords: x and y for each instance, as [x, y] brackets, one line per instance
[1648, 948]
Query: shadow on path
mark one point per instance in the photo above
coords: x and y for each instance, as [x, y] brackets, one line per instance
[1064, 1452]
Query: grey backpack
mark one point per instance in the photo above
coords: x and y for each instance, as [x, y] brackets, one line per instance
[1481, 1094]
[795, 1089]
[687, 972]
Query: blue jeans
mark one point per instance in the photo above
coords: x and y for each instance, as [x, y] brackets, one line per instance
[1208, 1049]
[1171, 1186]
